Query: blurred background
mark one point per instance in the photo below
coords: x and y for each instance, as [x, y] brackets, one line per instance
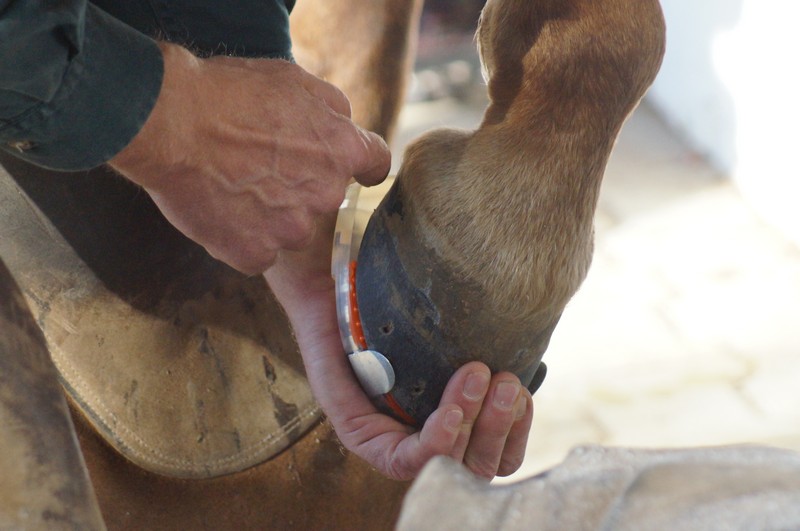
[687, 330]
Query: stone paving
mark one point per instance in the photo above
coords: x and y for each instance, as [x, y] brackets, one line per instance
[687, 330]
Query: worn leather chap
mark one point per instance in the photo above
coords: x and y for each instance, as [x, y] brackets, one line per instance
[184, 366]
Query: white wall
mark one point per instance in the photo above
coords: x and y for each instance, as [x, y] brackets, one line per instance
[731, 83]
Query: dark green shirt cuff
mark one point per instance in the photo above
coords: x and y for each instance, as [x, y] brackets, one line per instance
[104, 98]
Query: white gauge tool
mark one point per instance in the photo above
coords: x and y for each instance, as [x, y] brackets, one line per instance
[372, 369]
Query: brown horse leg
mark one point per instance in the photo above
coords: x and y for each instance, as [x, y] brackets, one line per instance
[43, 480]
[315, 484]
[491, 231]
[366, 48]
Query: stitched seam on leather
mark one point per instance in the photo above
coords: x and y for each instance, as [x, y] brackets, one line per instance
[91, 400]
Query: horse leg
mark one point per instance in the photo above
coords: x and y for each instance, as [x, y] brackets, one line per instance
[365, 48]
[315, 484]
[493, 228]
[44, 483]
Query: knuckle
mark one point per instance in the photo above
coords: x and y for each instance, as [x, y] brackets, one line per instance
[299, 232]
[328, 198]
[342, 103]
[399, 470]
[350, 139]
[255, 260]
[481, 467]
[332, 198]
[509, 465]
[496, 424]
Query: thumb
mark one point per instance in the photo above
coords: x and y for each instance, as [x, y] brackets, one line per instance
[328, 93]
[372, 159]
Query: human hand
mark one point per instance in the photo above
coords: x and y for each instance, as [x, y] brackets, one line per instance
[243, 155]
[482, 420]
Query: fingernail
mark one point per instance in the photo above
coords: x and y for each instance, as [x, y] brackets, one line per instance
[520, 407]
[453, 419]
[476, 385]
[505, 395]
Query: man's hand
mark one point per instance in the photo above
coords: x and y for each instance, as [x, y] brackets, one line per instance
[482, 420]
[243, 155]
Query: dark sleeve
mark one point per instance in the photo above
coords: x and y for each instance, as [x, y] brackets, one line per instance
[76, 84]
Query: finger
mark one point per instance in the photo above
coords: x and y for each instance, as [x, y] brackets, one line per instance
[437, 437]
[328, 196]
[517, 441]
[370, 156]
[467, 388]
[296, 230]
[330, 94]
[369, 153]
[492, 426]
